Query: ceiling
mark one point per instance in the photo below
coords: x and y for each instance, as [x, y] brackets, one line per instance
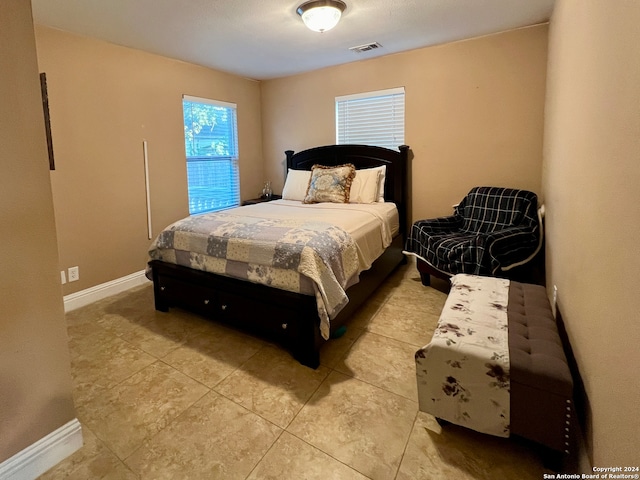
[264, 39]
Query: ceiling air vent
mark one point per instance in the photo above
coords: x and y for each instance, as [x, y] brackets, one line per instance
[365, 48]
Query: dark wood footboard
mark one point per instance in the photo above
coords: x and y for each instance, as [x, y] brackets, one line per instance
[290, 319]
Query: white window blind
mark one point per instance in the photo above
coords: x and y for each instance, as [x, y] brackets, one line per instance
[211, 145]
[372, 118]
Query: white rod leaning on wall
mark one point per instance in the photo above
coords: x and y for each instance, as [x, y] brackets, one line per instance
[146, 182]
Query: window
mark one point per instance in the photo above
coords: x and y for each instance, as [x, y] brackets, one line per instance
[211, 145]
[372, 118]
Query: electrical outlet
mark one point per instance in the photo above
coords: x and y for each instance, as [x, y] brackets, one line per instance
[74, 274]
[63, 277]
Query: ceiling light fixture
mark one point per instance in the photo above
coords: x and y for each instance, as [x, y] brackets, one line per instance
[321, 15]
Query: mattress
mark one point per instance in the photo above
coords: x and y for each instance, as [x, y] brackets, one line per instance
[371, 225]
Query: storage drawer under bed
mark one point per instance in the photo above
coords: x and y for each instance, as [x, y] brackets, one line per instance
[216, 302]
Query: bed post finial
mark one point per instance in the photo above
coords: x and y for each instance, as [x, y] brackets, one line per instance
[289, 154]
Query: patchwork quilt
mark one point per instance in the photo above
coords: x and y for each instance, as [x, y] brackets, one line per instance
[301, 256]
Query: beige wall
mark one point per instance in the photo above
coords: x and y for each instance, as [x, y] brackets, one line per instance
[35, 377]
[591, 183]
[105, 100]
[474, 113]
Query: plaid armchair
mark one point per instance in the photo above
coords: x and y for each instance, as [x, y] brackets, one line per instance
[492, 230]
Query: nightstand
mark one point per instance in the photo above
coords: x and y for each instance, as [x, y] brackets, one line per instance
[253, 201]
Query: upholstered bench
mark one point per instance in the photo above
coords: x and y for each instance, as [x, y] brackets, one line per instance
[496, 364]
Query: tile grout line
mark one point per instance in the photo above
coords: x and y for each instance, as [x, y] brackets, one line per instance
[406, 445]
[329, 455]
[265, 453]
[149, 439]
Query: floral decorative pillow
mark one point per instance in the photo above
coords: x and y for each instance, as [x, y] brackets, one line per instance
[330, 184]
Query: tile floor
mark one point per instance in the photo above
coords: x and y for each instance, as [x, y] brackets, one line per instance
[175, 396]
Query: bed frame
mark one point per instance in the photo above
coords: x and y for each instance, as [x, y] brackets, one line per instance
[289, 318]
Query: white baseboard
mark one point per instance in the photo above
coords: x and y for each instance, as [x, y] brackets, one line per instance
[39, 457]
[104, 290]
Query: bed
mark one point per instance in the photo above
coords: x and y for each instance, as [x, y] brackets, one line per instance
[295, 319]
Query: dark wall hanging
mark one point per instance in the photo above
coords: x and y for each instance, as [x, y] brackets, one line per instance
[47, 122]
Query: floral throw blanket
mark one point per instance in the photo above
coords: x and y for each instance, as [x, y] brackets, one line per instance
[463, 373]
[301, 256]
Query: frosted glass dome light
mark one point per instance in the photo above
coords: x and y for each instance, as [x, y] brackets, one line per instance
[321, 15]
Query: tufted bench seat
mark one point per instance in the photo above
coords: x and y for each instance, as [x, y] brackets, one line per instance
[541, 383]
[537, 378]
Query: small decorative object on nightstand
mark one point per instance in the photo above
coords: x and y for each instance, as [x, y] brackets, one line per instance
[266, 191]
[253, 201]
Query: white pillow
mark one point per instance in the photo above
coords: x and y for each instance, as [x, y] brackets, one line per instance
[364, 188]
[296, 185]
[383, 174]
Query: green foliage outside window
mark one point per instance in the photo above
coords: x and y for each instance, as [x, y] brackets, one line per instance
[208, 130]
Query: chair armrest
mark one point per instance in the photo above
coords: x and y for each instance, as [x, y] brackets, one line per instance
[440, 224]
[510, 246]
[509, 233]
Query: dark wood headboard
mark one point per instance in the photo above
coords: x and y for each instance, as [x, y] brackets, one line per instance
[363, 156]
